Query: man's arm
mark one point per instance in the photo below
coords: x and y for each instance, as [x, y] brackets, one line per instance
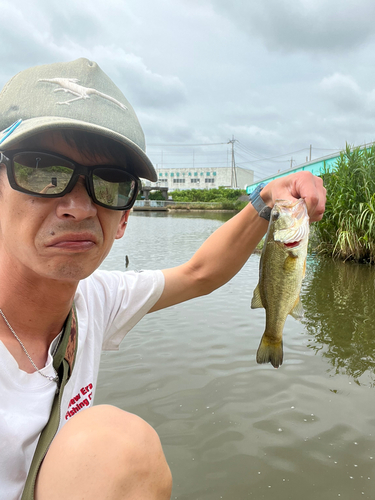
[224, 253]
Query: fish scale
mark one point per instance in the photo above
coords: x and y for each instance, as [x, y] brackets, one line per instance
[281, 270]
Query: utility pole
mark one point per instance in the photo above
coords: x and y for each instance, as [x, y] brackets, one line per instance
[233, 181]
[291, 162]
[310, 151]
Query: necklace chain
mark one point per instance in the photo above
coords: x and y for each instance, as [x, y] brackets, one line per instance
[52, 379]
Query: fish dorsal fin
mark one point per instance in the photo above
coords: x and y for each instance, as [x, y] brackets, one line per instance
[297, 311]
[256, 301]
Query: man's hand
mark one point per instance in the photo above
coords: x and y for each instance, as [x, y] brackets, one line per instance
[299, 185]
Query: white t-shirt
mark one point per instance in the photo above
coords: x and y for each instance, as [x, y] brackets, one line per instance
[108, 305]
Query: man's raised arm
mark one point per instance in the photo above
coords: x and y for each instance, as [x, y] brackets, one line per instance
[224, 253]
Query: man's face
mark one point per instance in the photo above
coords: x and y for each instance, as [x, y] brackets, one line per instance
[58, 238]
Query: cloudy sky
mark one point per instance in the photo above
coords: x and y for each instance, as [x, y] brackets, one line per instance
[275, 75]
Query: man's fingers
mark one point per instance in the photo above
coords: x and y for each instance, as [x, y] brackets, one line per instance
[300, 185]
[314, 194]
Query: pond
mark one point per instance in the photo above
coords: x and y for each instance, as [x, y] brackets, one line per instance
[233, 429]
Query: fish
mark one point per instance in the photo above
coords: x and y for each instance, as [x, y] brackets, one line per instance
[281, 271]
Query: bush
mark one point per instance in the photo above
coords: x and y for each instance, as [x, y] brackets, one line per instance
[220, 194]
[347, 230]
[156, 195]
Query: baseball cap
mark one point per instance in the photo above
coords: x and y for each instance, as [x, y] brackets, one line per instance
[74, 95]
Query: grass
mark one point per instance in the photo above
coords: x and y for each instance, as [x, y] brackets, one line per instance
[347, 230]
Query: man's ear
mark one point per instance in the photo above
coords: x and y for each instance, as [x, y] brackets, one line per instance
[122, 225]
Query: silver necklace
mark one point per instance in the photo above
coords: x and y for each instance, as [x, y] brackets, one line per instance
[52, 379]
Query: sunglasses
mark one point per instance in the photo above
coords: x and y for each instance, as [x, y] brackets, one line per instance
[48, 175]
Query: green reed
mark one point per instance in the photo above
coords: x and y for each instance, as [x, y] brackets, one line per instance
[347, 230]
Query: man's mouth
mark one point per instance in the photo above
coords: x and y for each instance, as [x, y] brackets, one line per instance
[73, 241]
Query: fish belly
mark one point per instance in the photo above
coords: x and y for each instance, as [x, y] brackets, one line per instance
[280, 285]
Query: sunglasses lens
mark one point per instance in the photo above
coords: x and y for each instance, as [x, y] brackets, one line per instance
[48, 175]
[41, 173]
[113, 187]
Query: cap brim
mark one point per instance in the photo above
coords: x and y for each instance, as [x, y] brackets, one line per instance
[138, 162]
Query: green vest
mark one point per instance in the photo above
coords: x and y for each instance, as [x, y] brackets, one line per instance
[63, 363]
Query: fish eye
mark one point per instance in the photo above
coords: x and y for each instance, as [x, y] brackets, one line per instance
[275, 216]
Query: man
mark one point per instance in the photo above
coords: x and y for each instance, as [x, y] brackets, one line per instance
[71, 155]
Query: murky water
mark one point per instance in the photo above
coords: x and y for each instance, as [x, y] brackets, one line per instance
[232, 429]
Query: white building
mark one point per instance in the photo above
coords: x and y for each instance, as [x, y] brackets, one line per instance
[202, 178]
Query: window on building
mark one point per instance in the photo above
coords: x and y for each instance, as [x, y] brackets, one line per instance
[209, 180]
[195, 180]
[178, 181]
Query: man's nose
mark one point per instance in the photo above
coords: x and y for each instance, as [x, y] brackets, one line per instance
[77, 204]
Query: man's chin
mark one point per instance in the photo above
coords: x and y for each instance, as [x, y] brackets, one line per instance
[69, 271]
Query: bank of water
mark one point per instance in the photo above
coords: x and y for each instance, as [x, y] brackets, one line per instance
[232, 429]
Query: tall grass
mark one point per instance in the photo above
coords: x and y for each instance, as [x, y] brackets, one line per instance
[347, 230]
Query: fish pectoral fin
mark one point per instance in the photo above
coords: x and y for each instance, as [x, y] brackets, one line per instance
[256, 301]
[270, 352]
[297, 311]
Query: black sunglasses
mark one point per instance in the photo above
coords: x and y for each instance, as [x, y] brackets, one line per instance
[49, 175]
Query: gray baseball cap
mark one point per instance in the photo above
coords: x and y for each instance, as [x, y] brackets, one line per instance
[75, 95]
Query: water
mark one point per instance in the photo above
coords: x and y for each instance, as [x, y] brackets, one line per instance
[232, 429]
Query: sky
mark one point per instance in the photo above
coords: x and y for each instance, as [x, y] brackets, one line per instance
[274, 76]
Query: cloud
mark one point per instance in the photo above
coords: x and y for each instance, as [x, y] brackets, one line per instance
[69, 33]
[279, 75]
[346, 98]
[304, 25]
[344, 93]
[144, 87]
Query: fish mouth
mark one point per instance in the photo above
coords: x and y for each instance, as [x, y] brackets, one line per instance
[292, 244]
[291, 228]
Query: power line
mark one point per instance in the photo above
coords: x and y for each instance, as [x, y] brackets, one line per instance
[195, 163]
[185, 153]
[248, 151]
[203, 156]
[278, 156]
[241, 146]
[328, 149]
[187, 145]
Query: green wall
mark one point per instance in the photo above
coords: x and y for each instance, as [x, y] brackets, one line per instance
[315, 167]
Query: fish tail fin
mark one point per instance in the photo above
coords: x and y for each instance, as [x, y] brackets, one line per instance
[270, 352]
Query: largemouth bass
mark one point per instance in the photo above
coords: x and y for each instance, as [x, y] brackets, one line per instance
[281, 270]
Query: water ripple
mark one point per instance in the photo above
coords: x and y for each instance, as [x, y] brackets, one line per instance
[233, 429]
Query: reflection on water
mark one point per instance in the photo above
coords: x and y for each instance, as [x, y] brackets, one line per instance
[232, 429]
[339, 308]
[221, 216]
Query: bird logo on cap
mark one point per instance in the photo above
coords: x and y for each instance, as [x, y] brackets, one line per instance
[71, 85]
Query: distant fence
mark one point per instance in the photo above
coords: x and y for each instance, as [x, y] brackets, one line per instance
[152, 203]
[159, 205]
